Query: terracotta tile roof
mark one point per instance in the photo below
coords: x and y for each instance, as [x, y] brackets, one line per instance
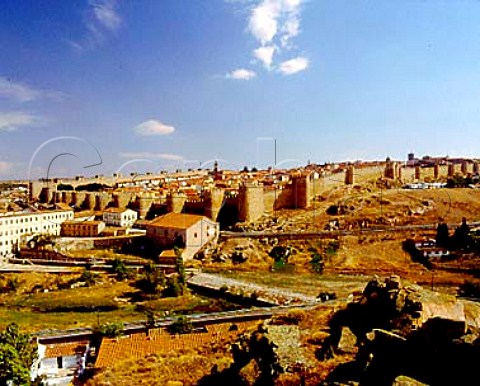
[160, 341]
[88, 222]
[65, 349]
[176, 220]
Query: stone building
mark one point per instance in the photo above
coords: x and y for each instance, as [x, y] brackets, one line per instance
[82, 228]
[188, 231]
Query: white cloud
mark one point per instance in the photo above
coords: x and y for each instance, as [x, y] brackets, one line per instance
[100, 20]
[293, 66]
[265, 55]
[272, 17]
[149, 155]
[273, 24]
[153, 127]
[5, 167]
[105, 13]
[263, 22]
[11, 121]
[241, 74]
[17, 91]
[290, 29]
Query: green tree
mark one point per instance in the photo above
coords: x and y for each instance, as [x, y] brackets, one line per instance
[152, 281]
[461, 239]
[120, 269]
[17, 354]
[442, 239]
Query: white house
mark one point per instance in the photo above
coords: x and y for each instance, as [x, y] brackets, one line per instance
[188, 231]
[60, 362]
[119, 217]
[16, 227]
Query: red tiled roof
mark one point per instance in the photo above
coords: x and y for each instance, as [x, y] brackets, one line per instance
[176, 220]
[65, 349]
[160, 341]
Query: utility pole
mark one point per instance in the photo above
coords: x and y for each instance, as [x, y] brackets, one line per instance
[274, 182]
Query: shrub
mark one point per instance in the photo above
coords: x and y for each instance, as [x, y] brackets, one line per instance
[279, 253]
[88, 277]
[173, 288]
[13, 284]
[317, 264]
[415, 254]
[332, 248]
[109, 330]
[181, 325]
[120, 269]
[332, 210]
[152, 281]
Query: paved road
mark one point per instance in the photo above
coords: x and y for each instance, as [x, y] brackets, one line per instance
[272, 295]
[14, 268]
[307, 234]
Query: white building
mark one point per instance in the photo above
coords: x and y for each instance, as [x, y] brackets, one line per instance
[188, 231]
[16, 227]
[119, 217]
[59, 362]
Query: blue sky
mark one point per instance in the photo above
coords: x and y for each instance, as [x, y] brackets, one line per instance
[149, 85]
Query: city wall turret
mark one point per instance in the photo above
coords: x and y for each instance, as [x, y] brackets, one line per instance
[301, 191]
[250, 202]
[47, 194]
[121, 200]
[90, 201]
[34, 190]
[102, 199]
[78, 198]
[144, 202]
[451, 170]
[213, 202]
[176, 202]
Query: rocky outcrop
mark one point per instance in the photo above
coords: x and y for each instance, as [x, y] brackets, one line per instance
[403, 329]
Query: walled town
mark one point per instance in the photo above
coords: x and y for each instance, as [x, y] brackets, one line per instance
[350, 273]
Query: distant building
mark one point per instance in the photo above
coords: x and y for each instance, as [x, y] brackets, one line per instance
[60, 362]
[82, 228]
[119, 217]
[16, 228]
[187, 231]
